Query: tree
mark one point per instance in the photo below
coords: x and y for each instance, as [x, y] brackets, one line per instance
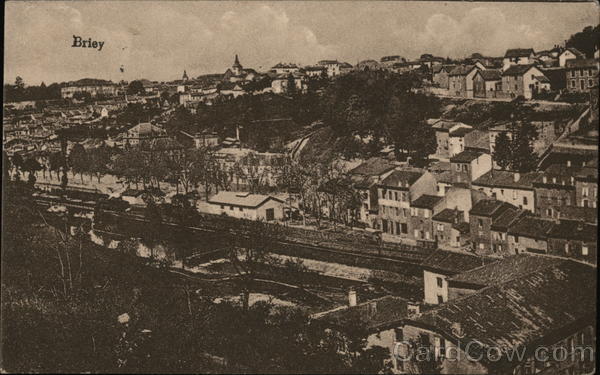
[503, 151]
[135, 87]
[423, 359]
[249, 251]
[31, 166]
[524, 156]
[78, 160]
[586, 41]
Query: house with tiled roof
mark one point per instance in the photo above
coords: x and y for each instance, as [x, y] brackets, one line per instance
[549, 307]
[244, 205]
[570, 53]
[441, 265]
[395, 194]
[554, 188]
[143, 132]
[285, 68]
[469, 165]
[574, 239]
[446, 230]
[511, 187]
[450, 137]
[460, 80]
[581, 74]
[529, 234]
[486, 83]
[518, 56]
[482, 217]
[440, 75]
[524, 80]
[365, 178]
[499, 231]
[420, 224]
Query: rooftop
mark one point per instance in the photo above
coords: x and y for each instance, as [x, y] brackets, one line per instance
[426, 201]
[490, 75]
[451, 262]
[517, 70]
[507, 179]
[518, 52]
[505, 270]
[574, 230]
[490, 207]
[466, 156]
[373, 167]
[531, 227]
[449, 215]
[401, 178]
[519, 312]
[506, 218]
[240, 199]
[462, 70]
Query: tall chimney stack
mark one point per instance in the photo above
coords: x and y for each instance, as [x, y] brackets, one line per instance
[517, 176]
[352, 298]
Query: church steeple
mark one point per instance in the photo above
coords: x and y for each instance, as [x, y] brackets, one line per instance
[237, 67]
[185, 76]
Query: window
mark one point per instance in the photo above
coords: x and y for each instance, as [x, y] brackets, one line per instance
[573, 75]
[230, 208]
[525, 201]
[440, 299]
[222, 207]
[480, 223]
[584, 250]
[426, 235]
[481, 246]
[567, 248]
[426, 213]
[590, 83]
[241, 209]
[403, 228]
[416, 233]
[440, 282]
[573, 84]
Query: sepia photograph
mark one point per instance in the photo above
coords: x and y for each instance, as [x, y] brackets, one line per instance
[300, 187]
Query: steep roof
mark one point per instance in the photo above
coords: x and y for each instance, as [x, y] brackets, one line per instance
[521, 312]
[506, 179]
[461, 132]
[506, 218]
[240, 199]
[490, 75]
[518, 70]
[462, 70]
[401, 178]
[575, 51]
[587, 214]
[518, 52]
[531, 227]
[426, 201]
[505, 270]
[146, 128]
[451, 262]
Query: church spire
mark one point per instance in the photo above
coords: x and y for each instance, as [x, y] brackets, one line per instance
[237, 61]
[185, 76]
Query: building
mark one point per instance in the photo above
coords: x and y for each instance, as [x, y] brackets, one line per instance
[365, 178]
[446, 228]
[460, 80]
[481, 218]
[553, 189]
[569, 54]
[395, 194]
[574, 239]
[440, 75]
[486, 83]
[315, 71]
[581, 74]
[469, 165]
[389, 61]
[450, 137]
[243, 205]
[511, 187]
[529, 234]
[200, 140]
[422, 211]
[369, 65]
[143, 132]
[586, 187]
[93, 87]
[547, 307]
[499, 232]
[524, 80]
[332, 66]
[441, 265]
[282, 83]
[282, 68]
[518, 56]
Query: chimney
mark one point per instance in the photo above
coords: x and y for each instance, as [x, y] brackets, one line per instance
[352, 298]
[457, 330]
[568, 163]
[413, 309]
[517, 176]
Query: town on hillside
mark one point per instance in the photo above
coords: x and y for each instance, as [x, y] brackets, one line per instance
[389, 215]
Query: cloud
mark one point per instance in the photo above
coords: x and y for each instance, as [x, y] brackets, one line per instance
[482, 29]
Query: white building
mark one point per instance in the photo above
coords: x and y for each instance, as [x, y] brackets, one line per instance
[243, 205]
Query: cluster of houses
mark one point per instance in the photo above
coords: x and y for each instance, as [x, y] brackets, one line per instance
[521, 72]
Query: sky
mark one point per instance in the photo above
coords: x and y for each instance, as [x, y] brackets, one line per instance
[158, 40]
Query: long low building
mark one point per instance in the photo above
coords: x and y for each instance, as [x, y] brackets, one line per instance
[244, 205]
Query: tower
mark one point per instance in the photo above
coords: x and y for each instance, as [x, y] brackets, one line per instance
[185, 76]
[237, 67]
